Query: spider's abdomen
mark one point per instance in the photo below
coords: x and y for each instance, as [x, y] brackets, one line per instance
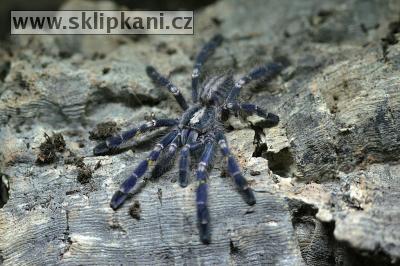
[216, 89]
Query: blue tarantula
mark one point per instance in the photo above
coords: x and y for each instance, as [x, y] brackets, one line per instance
[200, 128]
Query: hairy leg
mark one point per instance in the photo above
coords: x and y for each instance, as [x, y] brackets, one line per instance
[234, 170]
[270, 118]
[114, 142]
[268, 72]
[184, 159]
[167, 158]
[207, 50]
[126, 187]
[163, 81]
[203, 216]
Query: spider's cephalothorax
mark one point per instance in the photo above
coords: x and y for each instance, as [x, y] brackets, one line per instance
[200, 129]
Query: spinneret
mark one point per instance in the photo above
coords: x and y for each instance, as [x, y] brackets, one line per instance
[199, 128]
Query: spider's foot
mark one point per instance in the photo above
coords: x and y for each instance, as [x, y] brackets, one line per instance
[157, 171]
[101, 149]
[117, 199]
[271, 120]
[203, 216]
[248, 196]
[218, 38]
[183, 179]
[204, 232]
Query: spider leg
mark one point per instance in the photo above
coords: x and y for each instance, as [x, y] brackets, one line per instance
[126, 187]
[234, 170]
[270, 118]
[166, 160]
[268, 72]
[203, 216]
[163, 81]
[184, 165]
[207, 50]
[114, 142]
[184, 160]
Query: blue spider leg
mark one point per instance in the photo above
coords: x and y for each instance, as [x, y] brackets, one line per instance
[267, 72]
[234, 170]
[203, 216]
[162, 81]
[126, 187]
[207, 50]
[166, 160]
[184, 135]
[270, 118]
[184, 160]
[196, 146]
[114, 142]
[187, 115]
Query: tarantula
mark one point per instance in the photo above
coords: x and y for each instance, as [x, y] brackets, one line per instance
[200, 128]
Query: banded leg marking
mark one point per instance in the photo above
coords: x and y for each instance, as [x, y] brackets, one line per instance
[127, 186]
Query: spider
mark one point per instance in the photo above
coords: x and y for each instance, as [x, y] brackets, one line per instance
[199, 130]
